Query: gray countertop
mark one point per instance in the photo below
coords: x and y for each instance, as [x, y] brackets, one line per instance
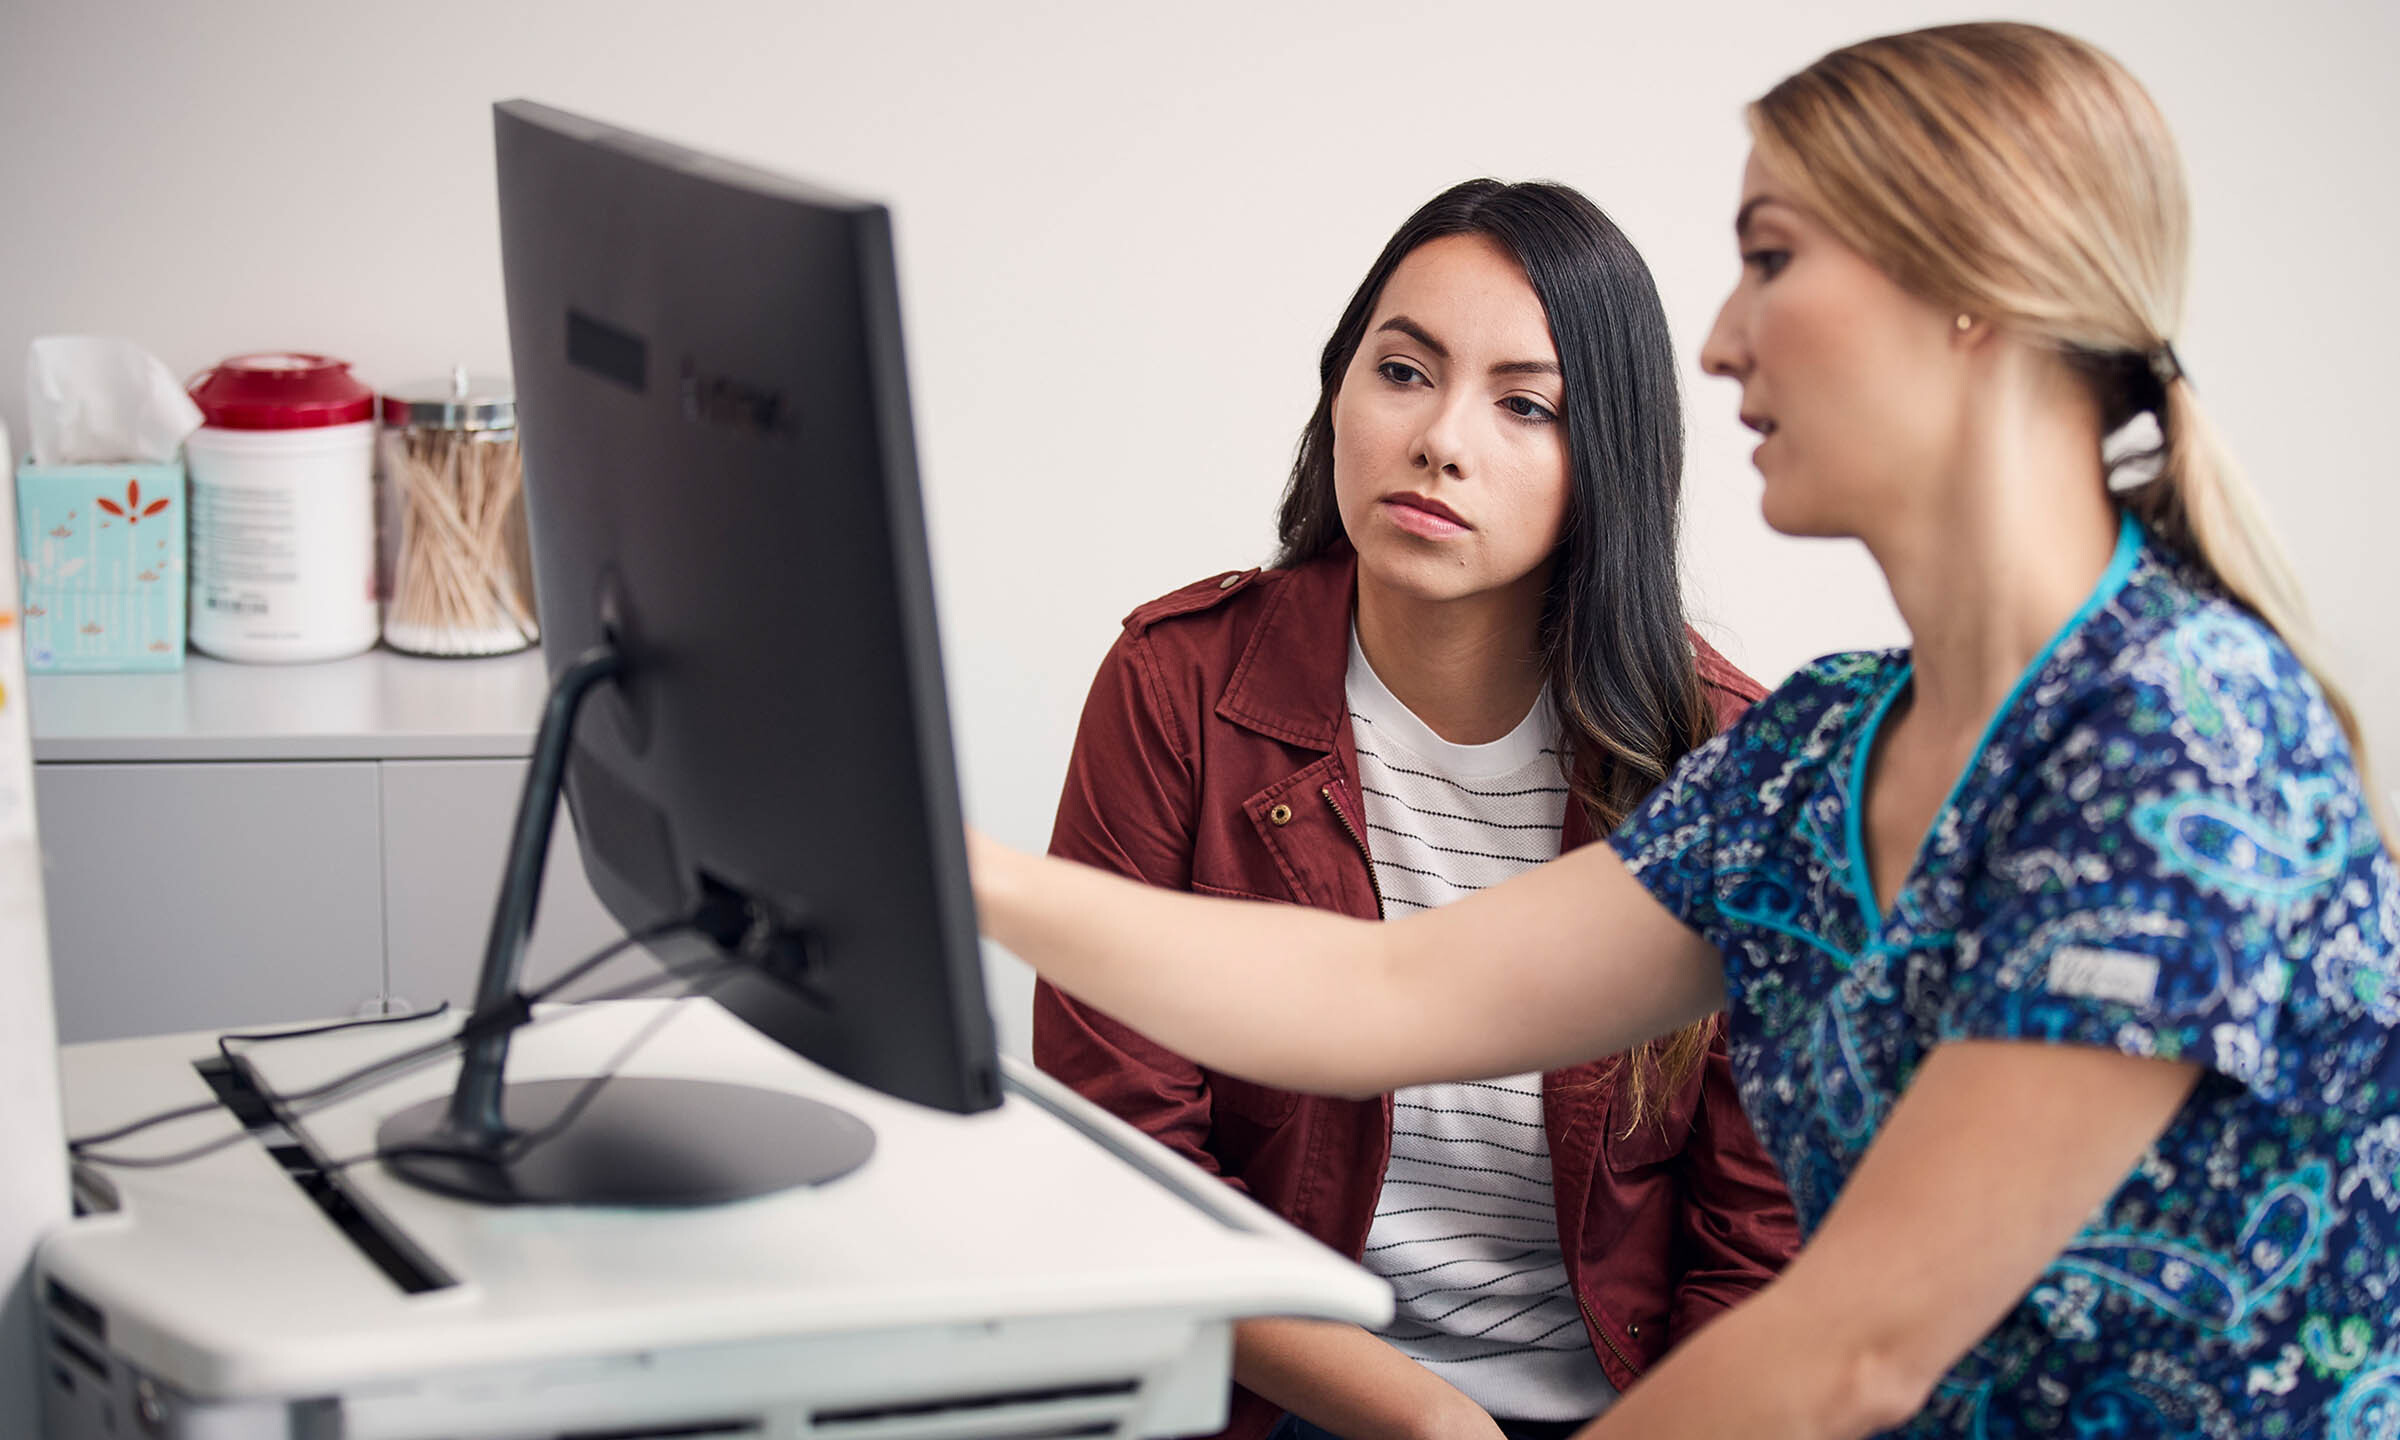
[377, 706]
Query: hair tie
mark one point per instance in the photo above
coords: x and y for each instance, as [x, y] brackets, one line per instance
[2165, 365]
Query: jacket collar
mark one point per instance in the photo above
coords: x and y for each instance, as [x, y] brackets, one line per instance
[1289, 682]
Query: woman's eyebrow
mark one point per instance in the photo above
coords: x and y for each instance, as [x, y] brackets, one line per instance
[1742, 217]
[1423, 337]
[1416, 332]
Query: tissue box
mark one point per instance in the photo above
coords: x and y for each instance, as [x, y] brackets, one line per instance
[100, 552]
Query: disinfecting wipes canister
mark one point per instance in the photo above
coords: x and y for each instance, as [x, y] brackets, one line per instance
[282, 510]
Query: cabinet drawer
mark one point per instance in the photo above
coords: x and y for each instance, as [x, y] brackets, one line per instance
[199, 896]
[446, 825]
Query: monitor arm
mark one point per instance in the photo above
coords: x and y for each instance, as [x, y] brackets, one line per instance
[475, 1118]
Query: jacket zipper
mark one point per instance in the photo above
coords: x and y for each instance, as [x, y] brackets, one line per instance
[1602, 1331]
[1356, 839]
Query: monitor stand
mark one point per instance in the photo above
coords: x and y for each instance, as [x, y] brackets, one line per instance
[626, 1140]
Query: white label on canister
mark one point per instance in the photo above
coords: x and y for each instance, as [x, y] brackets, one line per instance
[252, 539]
[283, 534]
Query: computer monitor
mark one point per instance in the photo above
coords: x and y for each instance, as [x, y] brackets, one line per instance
[737, 615]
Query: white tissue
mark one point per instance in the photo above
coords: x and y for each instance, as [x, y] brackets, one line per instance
[96, 400]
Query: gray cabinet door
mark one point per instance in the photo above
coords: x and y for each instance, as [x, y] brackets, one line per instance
[199, 896]
[446, 825]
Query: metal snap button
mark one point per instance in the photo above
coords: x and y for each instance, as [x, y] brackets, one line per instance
[1280, 815]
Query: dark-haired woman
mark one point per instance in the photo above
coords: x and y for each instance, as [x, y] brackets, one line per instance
[1470, 655]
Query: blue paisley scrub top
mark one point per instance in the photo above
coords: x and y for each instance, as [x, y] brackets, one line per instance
[2161, 847]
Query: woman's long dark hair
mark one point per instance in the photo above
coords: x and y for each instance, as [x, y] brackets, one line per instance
[1620, 661]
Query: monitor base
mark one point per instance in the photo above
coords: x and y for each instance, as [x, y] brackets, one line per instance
[647, 1141]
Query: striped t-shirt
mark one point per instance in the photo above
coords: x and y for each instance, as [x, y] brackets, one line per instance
[1465, 1228]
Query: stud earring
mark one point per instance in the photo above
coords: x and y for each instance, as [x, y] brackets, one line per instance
[1966, 322]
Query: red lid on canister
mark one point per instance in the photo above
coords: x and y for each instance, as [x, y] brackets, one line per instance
[281, 392]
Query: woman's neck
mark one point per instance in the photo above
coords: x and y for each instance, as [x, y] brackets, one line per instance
[2001, 556]
[1470, 668]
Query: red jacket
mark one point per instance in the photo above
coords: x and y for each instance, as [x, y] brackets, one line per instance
[1215, 756]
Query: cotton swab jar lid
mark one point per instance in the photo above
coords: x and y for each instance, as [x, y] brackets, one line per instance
[458, 401]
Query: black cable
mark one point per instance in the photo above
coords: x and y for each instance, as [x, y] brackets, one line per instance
[161, 1162]
[396, 1064]
[76, 1144]
[224, 1049]
[510, 1013]
[225, 1041]
[611, 951]
[517, 1147]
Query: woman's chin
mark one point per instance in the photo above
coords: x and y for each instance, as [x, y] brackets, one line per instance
[1785, 514]
[1429, 573]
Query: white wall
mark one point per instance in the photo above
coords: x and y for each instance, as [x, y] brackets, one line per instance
[1125, 229]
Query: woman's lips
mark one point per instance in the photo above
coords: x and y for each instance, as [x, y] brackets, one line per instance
[1425, 518]
[1766, 433]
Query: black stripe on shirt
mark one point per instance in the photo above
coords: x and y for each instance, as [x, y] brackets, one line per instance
[1428, 874]
[1477, 854]
[1478, 1114]
[1462, 1260]
[1438, 1289]
[1460, 1189]
[1450, 815]
[1472, 1140]
[1365, 753]
[1538, 1303]
[1501, 1354]
[1517, 1175]
[1462, 1210]
[1547, 1295]
[1451, 1239]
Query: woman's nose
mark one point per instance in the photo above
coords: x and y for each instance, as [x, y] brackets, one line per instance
[1445, 444]
[1725, 352]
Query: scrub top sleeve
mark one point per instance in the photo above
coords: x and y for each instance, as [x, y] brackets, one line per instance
[1669, 843]
[2180, 872]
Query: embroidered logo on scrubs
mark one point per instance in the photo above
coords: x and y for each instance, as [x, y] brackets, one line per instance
[2104, 975]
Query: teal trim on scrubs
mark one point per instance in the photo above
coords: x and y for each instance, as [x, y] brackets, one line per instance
[1862, 879]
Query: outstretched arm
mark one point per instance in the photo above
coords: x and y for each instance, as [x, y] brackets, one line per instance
[1572, 959]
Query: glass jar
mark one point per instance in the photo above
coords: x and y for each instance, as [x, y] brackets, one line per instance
[460, 578]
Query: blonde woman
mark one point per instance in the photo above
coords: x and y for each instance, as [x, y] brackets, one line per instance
[2061, 949]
